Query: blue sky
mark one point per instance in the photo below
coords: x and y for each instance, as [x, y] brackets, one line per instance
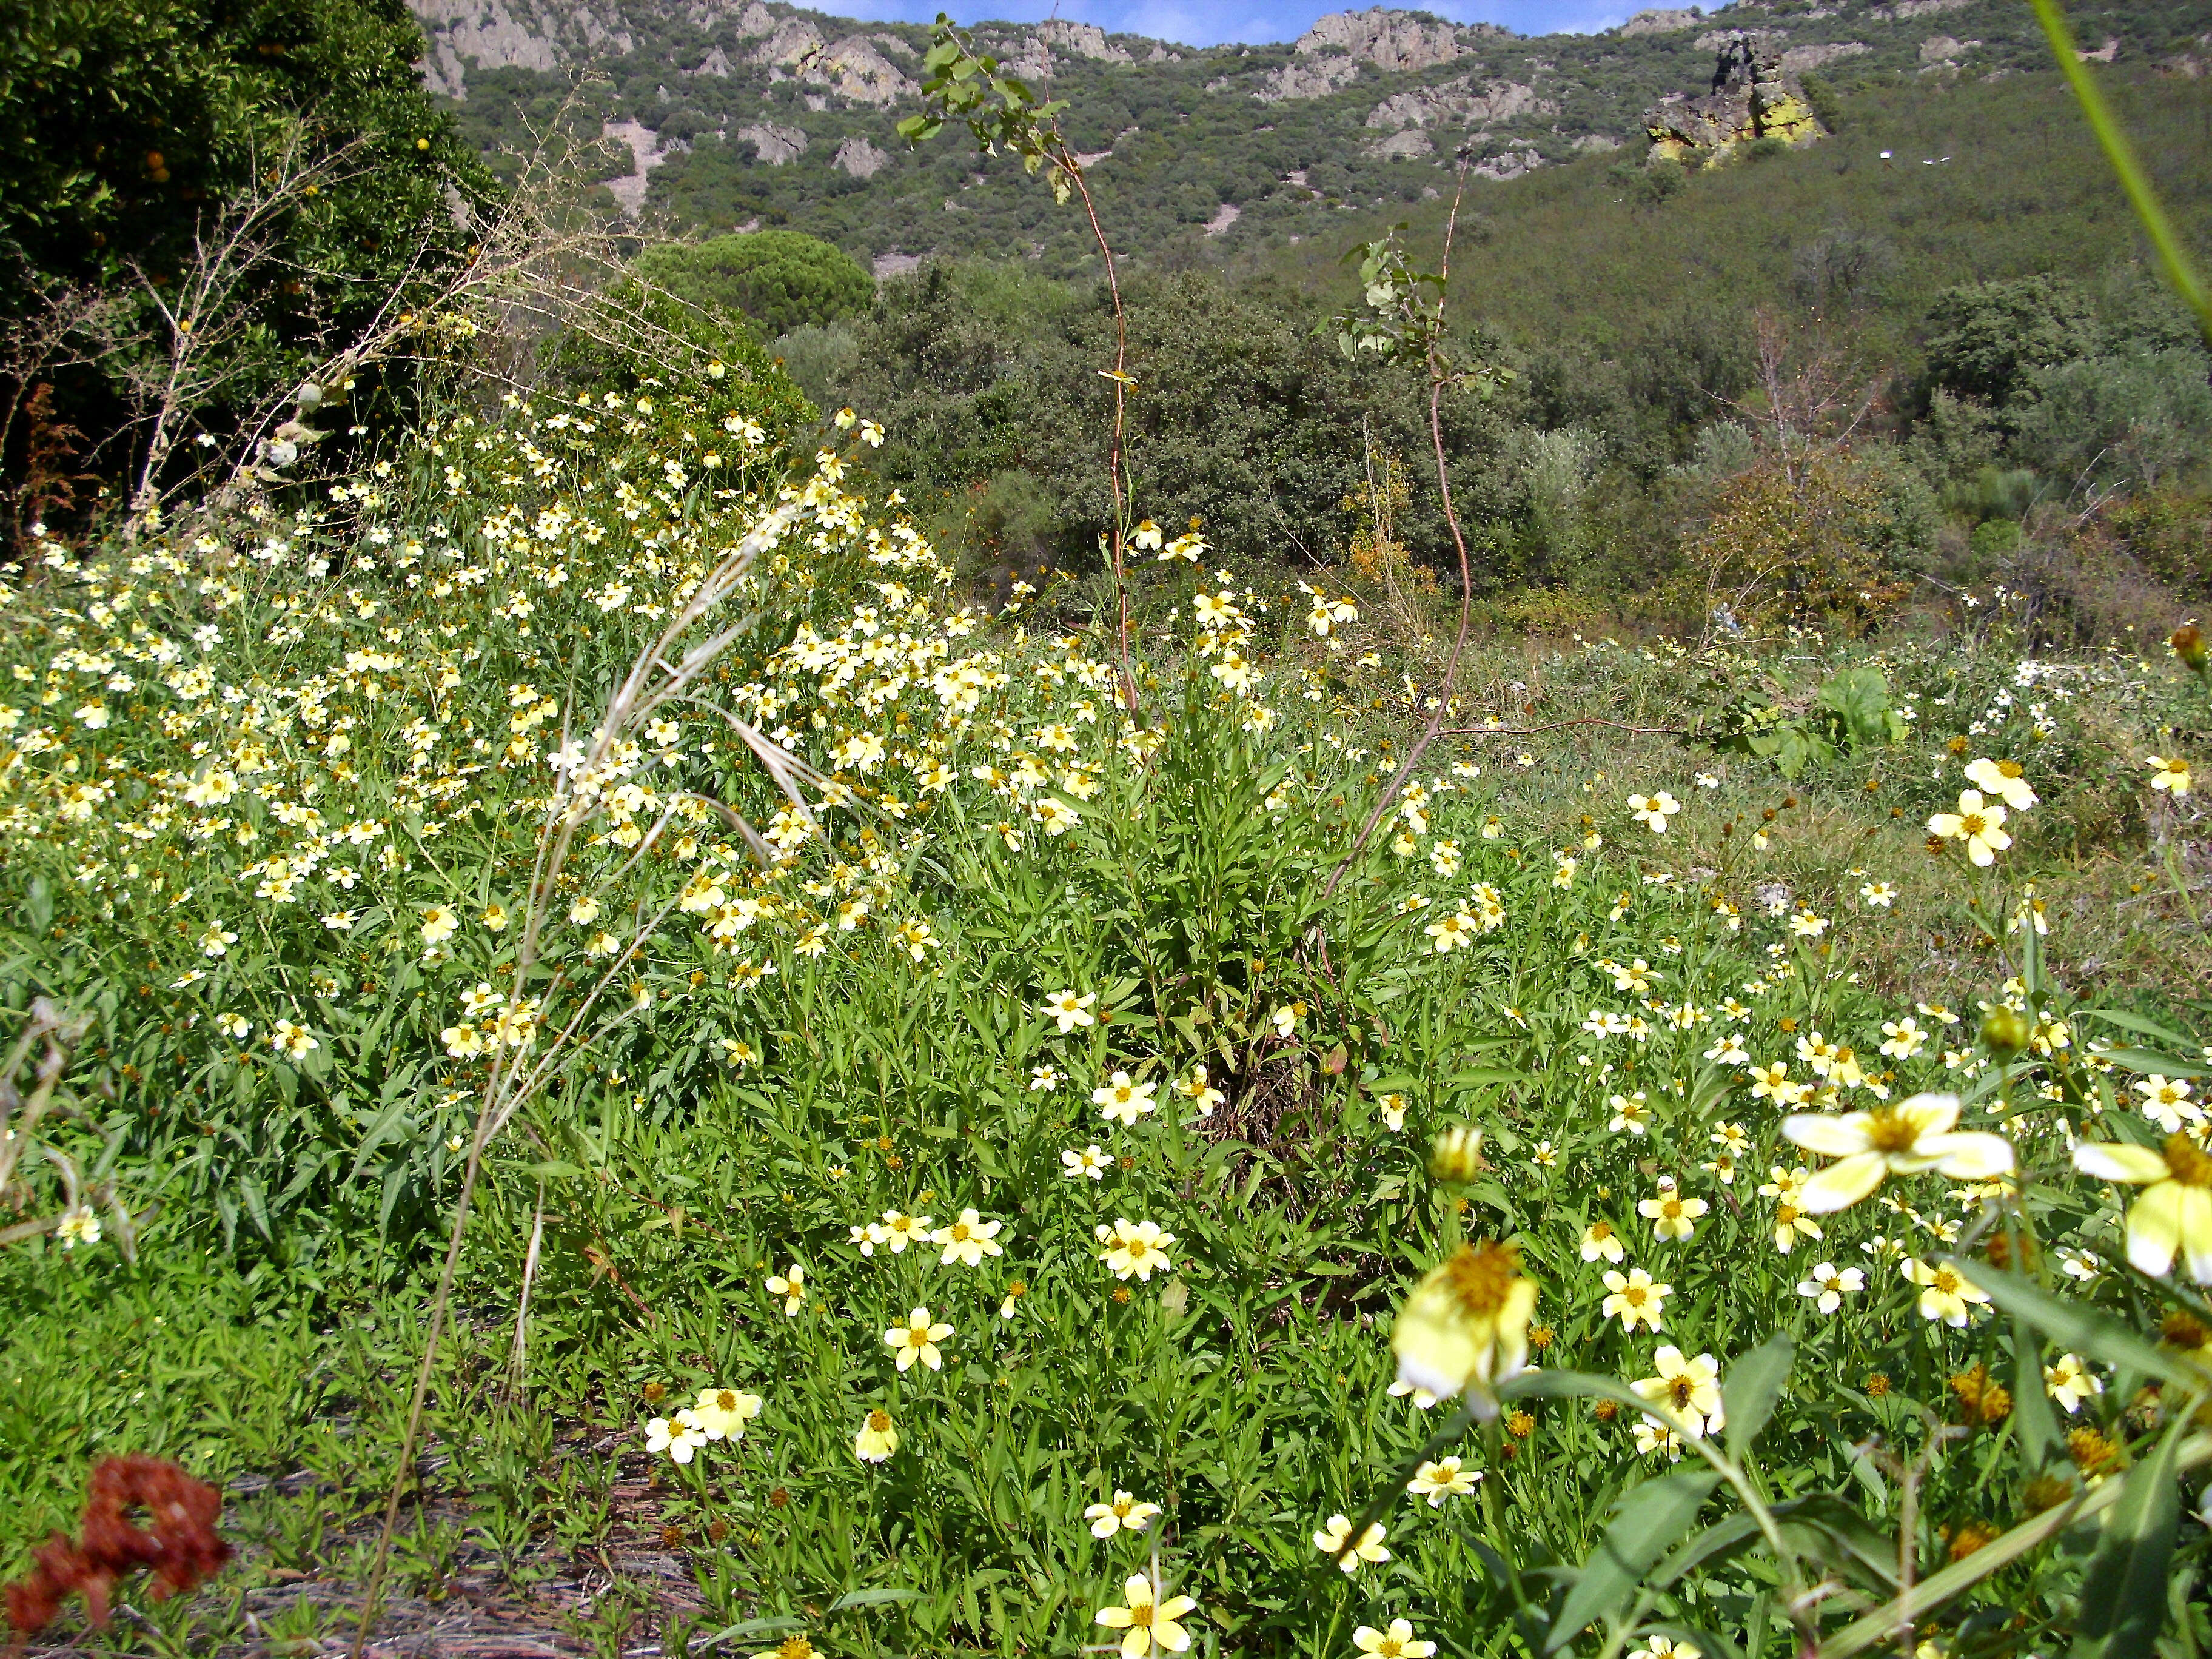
[1196, 23]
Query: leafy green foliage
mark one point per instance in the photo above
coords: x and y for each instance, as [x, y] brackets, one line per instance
[779, 279]
[132, 128]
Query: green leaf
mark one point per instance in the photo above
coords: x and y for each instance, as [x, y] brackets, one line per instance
[551, 1171]
[2137, 1024]
[1649, 1519]
[2124, 1591]
[1754, 1384]
[871, 1598]
[2031, 1405]
[2151, 1061]
[776, 1626]
[2079, 1328]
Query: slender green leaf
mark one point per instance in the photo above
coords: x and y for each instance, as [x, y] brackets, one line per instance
[2078, 1328]
[1646, 1525]
[2124, 1592]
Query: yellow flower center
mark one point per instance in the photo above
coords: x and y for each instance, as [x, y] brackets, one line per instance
[1600, 1230]
[1785, 1215]
[2010, 769]
[1972, 824]
[726, 1400]
[1483, 1275]
[1634, 1296]
[1892, 1131]
[878, 1421]
[1946, 1281]
[2191, 1167]
[1671, 1208]
[959, 1232]
[794, 1647]
[1141, 1618]
[1679, 1391]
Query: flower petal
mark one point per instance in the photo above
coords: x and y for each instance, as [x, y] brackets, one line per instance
[1842, 1185]
[2154, 1228]
[1932, 1114]
[2195, 1212]
[2120, 1160]
[1972, 1155]
[1835, 1137]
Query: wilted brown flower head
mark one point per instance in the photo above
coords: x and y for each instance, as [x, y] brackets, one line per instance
[180, 1547]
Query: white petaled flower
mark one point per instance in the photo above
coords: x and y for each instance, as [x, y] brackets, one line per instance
[1826, 1285]
[677, 1438]
[2069, 1381]
[1072, 1011]
[1690, 1388]
[1945, 1292]
[1442, 1478]
[1123, 1514]
[1138, 1247]
[1914, 1136]
[967, 1240]
[1654, 810]
[1091, 1162]
[2006, 779]
[1123, 1099]
[791, 1285]
[1335, 1539]
[1398, 1642]
[1979, 823]
[916, 1340]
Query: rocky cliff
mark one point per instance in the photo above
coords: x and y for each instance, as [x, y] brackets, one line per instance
[721, 113]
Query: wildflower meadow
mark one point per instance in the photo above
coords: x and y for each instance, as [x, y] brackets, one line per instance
[961, 1156]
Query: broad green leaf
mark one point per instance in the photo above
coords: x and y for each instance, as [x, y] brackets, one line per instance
[2136, 1022]
[1648, 1520]
[2080, 1329]
[2031, 1405]
[1754, 1384]
[2151, 1062]
[2124, 1591]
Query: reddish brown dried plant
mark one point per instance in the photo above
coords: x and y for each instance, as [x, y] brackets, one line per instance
[179, 1544]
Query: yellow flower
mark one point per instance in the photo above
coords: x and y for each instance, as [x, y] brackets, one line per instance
[1979, 823]
[1467, 1325]
[1146, 1621]
[2172, 775]
[2006, 779]
[1599, 1239]
[791, 1285]
[1125, 1512]
[1635, 1298]
[877, 1439]
[1944, 1290]
[1442, 1478]
[1335, 1540]
[1123, 1100]
[1690, 1389]
[1906, 1138]
[2174, 1215]
[1396, 1643]
[918, 1339]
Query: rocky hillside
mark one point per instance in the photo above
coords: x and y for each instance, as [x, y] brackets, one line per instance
[718, 114]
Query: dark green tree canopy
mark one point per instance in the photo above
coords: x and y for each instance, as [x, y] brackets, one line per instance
[130, 129]
[781, 279]
[1986, 338]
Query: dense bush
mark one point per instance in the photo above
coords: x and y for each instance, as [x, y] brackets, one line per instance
[779, 278]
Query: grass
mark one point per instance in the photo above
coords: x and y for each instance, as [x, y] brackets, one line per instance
[304, 959]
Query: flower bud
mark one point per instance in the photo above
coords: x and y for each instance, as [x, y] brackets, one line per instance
[2005, 1031]
[1456, 1154]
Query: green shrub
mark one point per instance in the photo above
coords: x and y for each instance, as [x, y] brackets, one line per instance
[780, 279]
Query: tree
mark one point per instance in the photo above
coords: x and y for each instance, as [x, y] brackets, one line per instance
[130, 129]
[1987, 339]
[779, 279]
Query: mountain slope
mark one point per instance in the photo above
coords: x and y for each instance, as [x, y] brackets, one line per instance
[720, 114]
